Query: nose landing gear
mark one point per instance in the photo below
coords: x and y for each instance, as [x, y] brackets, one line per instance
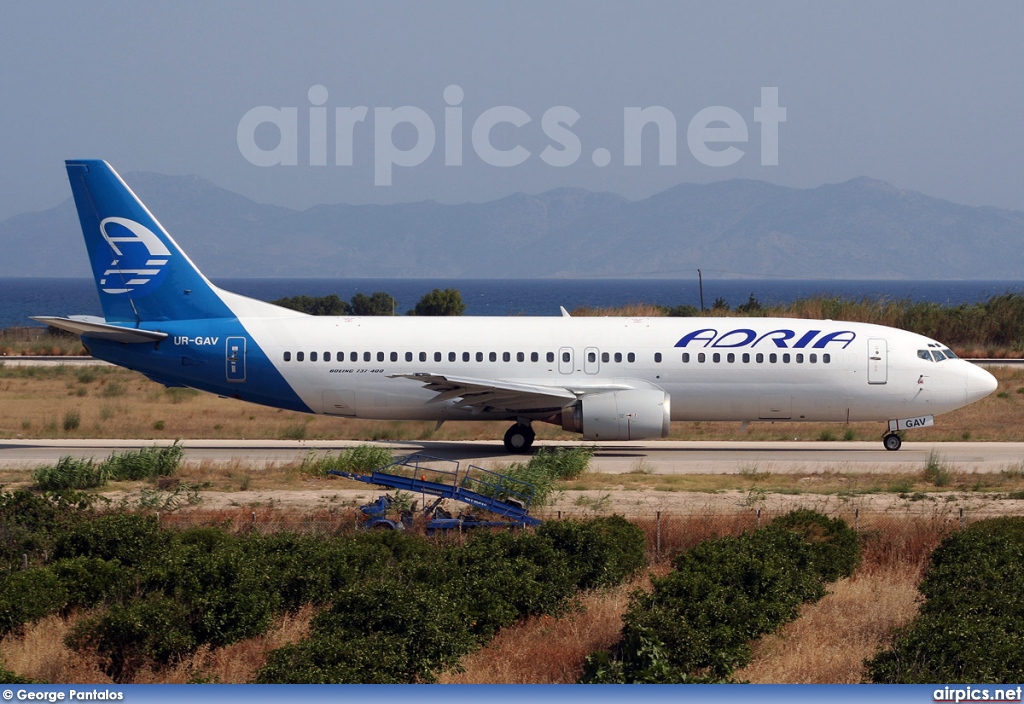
[892, 441]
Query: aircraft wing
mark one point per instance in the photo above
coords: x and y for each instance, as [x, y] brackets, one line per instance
[490, 394]
[494, 394]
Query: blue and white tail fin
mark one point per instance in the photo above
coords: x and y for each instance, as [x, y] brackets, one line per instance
[141, 273]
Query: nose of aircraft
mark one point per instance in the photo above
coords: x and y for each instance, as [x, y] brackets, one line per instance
[979, 383]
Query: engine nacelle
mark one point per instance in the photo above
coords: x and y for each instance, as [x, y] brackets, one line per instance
[633, 414]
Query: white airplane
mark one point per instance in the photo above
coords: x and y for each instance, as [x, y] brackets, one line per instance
[606, 378]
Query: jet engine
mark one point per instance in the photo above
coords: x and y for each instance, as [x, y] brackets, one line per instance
[633, 414]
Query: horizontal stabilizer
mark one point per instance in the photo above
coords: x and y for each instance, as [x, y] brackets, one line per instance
[101, 330]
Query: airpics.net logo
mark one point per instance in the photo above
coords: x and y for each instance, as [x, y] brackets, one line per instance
[712, 134]
[139, 256]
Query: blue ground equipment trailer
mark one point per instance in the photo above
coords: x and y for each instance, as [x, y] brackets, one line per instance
[507, 498]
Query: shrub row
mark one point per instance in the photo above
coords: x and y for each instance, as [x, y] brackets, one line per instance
[697, 622]
[414, 619]
[161, 594]
[131, 465]
[971, 625]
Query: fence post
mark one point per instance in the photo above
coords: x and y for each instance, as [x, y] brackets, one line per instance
[657, 539]
[856, 520]
[758, 518]
[961, 517]
[24, 560]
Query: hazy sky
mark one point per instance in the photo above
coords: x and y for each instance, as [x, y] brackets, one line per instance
[926, 95]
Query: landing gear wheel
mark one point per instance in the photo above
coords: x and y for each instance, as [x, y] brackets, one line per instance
[519, 438]
[892, 441]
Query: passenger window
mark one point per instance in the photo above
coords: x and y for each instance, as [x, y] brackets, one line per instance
[465, 356]
[746, 358]
[479, 356]
[287, 356]
[423, 356]
[686, 357]
[299, 356]
[506, 357]
[813, 359]
[534, 357]
[716, 358]
[550, 357]
[618, 357]
[408, 356]
[327, 356]
[826, 358]
[566, 357]
[701, 357]
[394, 356]
[630, 357]
[785, 358]
[520, 357]
[452, 356]
[493, 356]
[437, 356]
[366, 356]
[605, 357]
[312, 356]
[591, 356]
[380, 356]
[657, 357]
[923, 354]
[799, 359]
[730, 358]
[760, 358]
[773, 358]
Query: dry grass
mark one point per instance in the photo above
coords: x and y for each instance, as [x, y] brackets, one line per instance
[546, 650]
[39, 653]
[832, 638]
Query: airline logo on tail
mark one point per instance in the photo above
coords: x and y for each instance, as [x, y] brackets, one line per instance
[139, 257]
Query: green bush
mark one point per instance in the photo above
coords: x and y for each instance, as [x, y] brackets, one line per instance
[145, 463]
[697, 623]
[362, 459]
[29, 595]
[151, 630]
[971, 625]
[835, 547]
[396, 629]
[604, 551]
[89, 581]
[548, 466]
[372, 658]
[70, 473]
[129, 538]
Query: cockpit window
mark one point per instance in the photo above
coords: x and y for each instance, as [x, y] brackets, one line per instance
[949, 354]
[923, 354]
[938, 356]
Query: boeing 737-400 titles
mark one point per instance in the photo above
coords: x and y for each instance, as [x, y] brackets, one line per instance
[605, 378]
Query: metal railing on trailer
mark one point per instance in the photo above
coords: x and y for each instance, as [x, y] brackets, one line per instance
[480, 488]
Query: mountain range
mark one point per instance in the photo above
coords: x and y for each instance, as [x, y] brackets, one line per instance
[859, 229]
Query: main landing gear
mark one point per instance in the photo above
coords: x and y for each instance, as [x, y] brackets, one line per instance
[519, 438]
[892, 441]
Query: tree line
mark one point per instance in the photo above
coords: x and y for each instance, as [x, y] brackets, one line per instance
[438, 302]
